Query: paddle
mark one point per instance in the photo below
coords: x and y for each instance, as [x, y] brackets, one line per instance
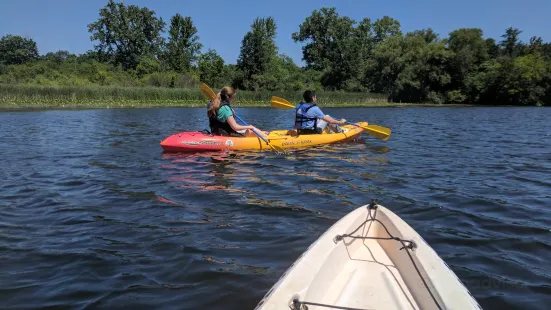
[209, 94]
[379, 132]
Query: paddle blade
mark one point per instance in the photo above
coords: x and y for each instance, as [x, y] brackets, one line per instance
[280, 103]
[207, 92]
[376, 131]
[277, 149]
[379, 132]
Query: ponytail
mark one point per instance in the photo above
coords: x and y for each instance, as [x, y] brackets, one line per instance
[226, 94]
[214, 106]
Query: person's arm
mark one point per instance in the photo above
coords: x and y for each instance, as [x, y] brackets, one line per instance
[333, 121]
[319, 114]
[235, 126]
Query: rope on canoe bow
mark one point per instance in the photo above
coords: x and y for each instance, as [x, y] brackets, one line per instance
[409, 245]
[298, 304]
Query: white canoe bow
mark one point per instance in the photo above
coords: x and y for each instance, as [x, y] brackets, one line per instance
[370, 259]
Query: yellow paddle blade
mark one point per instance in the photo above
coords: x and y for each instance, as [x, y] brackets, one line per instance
[277, 149]
[379, 132]
[376, 131]
[280, 103]
[207, 92]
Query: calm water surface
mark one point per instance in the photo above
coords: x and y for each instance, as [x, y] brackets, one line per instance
[94, 216]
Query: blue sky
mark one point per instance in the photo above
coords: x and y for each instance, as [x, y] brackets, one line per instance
[62, 24]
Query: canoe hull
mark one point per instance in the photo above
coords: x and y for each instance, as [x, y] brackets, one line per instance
[286, 139]
[369, 273]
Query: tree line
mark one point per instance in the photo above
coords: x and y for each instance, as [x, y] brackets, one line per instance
[134, 47]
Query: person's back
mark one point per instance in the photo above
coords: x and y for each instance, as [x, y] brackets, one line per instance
[218, 121]
[221, 119]
[309, 119]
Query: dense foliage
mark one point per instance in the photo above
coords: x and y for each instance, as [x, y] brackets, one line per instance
[134, 48]
[17, 50]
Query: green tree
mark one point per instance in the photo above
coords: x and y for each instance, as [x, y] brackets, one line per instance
[470, 50]
[385, 27]
[546, 51]
[183, 47]
[493, 48]
[126, 33]
[535, 46]
[281, 75]
[411, 68]
[59, 57]
[88, 55]
[425, 76]
[369, 35]
[520, 80]
[211, 69]
[427, 34]
[529, 81]
[17, 50]
[258, 50]
[365, 37]
[333, 46]
[511, 42]
[147, 65]
[230, 75]
[385, 66]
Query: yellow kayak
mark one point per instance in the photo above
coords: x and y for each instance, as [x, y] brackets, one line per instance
[286, 139]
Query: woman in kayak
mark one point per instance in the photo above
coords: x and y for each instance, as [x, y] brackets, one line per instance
[309, 119]
[221, 120]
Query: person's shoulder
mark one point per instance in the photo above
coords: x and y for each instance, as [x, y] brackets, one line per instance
[316, 110]
[225, 108]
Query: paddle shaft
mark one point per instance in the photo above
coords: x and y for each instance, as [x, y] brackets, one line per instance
[349, 123]
[242, 121]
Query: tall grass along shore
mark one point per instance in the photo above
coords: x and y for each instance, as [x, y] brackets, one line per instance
[35, 96]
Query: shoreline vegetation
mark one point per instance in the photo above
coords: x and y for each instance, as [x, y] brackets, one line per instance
[141, 60]
[70, 97]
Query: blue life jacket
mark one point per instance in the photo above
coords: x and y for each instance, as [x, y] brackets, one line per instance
[301, 120]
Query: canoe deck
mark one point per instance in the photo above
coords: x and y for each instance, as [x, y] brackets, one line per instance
[369, 272]
[370, 259]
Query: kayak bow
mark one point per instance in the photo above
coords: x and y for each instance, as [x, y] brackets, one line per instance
[370, 259]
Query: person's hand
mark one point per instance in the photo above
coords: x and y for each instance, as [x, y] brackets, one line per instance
[342, 121]
[252, 128]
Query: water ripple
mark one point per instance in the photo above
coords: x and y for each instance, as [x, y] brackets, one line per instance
[93, 215]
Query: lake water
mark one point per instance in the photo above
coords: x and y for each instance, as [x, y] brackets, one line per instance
[94, 216]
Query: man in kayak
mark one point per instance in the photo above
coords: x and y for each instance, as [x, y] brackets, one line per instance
[221, 120]
[309, 119]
